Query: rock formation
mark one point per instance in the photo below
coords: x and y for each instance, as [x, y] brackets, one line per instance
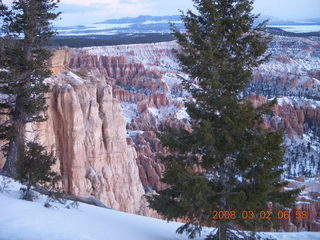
[108, 102]
[86, 130]
[308, 204]
[145, 81]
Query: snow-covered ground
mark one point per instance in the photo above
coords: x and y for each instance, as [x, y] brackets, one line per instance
[298, 28]
[23, 220]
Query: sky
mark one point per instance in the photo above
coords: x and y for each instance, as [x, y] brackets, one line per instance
[77, 12]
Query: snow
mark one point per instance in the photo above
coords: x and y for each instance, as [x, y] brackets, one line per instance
[23, 220]
[146, 54]
[134, 133]
[284, 101]
[298, 101]
[70, 78]
[74, 33]
[49, 80]
[312, 180]
[297, 236]
[182, 114]
[159, 22]
[3, 96]
[169, 111]
[130, 111]
[96, 29]
[172, 80]
[294, 57]
[301, 202]
[298, 28]
[75, 79]
[302, 153]
[298, 65]
[154, 111]
[103, 26]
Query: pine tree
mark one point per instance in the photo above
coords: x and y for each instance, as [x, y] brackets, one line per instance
[26, 28]
[239, 161]
[35, 169]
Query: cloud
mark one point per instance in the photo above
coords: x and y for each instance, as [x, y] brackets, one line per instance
[75, 12]
[76, 8]
[129, 7]
[82, 2]
[288, 9]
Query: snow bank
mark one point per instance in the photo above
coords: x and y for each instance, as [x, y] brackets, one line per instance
[23, 220]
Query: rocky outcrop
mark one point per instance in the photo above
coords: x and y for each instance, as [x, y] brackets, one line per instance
[86, 130]
[290, 114]
[300, 120]
[146, 80]
[293, 69]
[108, 102]
[305, 216]
[137, 73]
[59, 61]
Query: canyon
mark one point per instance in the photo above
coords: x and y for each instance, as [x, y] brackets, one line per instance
[107, 103]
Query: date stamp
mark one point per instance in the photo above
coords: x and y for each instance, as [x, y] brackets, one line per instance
[268, 215]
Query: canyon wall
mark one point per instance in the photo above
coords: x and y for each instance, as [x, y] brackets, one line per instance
[86, 130]
[107, 103]
[147, 81]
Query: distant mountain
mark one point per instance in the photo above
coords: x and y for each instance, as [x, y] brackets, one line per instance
[279, 21]
[177, 18]
[141, 24]
[142, 19]
[160, 24]
[313, 20]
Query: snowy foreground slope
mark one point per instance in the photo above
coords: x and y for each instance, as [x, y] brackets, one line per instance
[23, 220]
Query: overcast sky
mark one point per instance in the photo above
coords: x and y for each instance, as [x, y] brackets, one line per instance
[89, 11]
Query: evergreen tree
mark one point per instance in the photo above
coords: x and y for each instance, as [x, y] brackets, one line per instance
[239, 161]
[26, 28]
[35, 169]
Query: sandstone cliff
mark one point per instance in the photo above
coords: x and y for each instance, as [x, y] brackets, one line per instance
[145, 81]
[86, 130]
[107, 103]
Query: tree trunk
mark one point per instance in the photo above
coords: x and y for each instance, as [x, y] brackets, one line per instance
[9, 167]
[222, 231]
[16, 148]
[28, 193]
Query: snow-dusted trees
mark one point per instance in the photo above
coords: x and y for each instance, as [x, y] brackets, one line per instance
[26, 27]
[228, 163]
